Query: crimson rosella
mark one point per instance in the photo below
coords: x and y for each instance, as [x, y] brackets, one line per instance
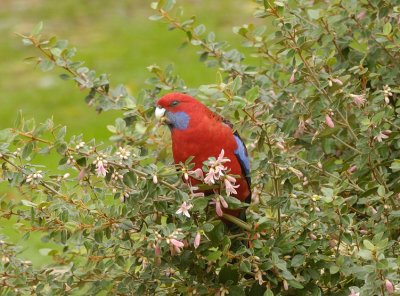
[200, 133]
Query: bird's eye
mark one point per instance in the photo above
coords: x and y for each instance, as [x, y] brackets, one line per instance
[174, 103]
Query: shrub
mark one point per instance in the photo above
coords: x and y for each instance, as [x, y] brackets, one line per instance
[313, 93]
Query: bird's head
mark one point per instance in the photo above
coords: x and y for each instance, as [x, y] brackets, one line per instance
[177, 109]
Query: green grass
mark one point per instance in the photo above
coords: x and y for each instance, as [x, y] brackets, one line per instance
[113, 37]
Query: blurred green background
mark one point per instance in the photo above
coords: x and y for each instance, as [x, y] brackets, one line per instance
[113, 37]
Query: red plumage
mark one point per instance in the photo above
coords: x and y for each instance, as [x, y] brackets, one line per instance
[204, 135]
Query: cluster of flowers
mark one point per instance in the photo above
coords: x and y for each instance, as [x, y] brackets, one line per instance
[175, 243]
[216, 172]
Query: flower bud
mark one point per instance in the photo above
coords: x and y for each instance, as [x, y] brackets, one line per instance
[197, 240]
[155, 179]
[329, 122]
[389, 286]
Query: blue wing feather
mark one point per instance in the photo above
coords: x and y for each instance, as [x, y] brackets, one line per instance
[243, 157]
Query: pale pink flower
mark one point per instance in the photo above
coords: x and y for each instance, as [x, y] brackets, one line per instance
[223, 202]
[100, 169]
[157, 251]
[216, 168]
[285, 285]
[81, 174]
[380, 137]
[352, 169]
[194, 193]
[197, 240]
[184, 209]
[175, 246]
[210, 177]
[358, 100]
[387, 92]
[337, 81]
[221, 158]
[101, 164]
[229, 182]
[219, 203]
[360, 16]
[353, 293]
[197, 173]
[219, 171]
[389, 286]
[292, 77]
[218, 209]
[329, 122]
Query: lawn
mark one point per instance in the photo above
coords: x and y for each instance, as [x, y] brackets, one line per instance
[113, 37]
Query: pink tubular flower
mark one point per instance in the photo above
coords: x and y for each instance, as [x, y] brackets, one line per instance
[329, 122]
[210, 177]
[337, 81]
[221, 159]
[389, 286]
[101, 164]
[217, 168]
[157, 250]
[360, 16]
[218, 209]
[193, 191]
[197, 240]
[184, 209]
[380, 137]
[358, 100]
[219, 203]
[352, 169]
[197, 173]
[175, 246]
[100, 169]
[292, 77]
[229, 182]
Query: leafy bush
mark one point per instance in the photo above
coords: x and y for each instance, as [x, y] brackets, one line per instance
[313, 93]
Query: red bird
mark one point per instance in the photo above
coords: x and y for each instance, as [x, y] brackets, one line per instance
[198, 132]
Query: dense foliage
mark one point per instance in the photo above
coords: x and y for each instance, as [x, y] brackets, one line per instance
[314, 95]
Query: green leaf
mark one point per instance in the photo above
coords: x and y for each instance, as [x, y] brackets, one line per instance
[236, 84]
[370, 246]
[363, 48]
[387, 28]
[200, 204]
[268, 292]
[61, 147]
[236, 291]
[298, 260]
[126, 224]
[228, 273]
[27, 150]
[295, 284]
[61, 133]
[314, 13]
[214, 256]
[28, 203]
[245, 266]
[334, 269]
[207, 227]
[46, 65]
[395, 166]
[37, 29]
[252, 94]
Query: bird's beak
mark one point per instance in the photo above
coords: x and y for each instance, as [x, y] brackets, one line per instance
[160, 114]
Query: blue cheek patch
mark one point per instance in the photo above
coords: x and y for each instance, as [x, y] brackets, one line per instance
[241, 154]
[179, 120]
